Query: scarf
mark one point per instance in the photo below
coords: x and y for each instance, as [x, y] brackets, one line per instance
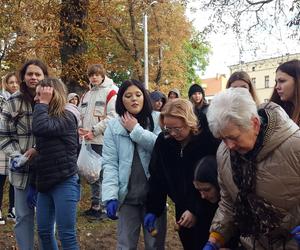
[254, 215]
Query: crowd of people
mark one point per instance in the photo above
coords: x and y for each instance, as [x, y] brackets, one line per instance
[231, 167]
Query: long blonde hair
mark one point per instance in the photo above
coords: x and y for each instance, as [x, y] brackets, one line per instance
[182, 109]
[59, 99]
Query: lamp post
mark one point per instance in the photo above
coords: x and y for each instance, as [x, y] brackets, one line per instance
[146, 69]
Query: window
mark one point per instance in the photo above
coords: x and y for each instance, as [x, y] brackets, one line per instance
[253, 68]
[253, 80]
[267, 81]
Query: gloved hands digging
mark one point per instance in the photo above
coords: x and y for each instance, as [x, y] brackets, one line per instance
[111, 209]
[31, 197]
[211, 246]
[149, 223]
[296, 234]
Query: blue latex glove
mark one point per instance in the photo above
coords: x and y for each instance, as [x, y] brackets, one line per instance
[211, 246]
[296, 234]
[31, 197]
[149, 222]
[111, 209]
[17, 163]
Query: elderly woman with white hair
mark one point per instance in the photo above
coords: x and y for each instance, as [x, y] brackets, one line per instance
[259, 172]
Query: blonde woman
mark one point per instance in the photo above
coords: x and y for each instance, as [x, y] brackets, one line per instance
[172, 165]
[10, 85]
[55, 128]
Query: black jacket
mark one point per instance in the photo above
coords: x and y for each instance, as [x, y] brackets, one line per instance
[57, 144]
[172, 171]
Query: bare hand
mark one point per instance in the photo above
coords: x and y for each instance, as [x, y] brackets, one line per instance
[31, 153]
[89, 136]
[128, 121]
[187, 219]
[82, 132]
[86, 134]
[46, 94]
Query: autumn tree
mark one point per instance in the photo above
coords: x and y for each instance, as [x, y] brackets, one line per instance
[117, 40]
[73, 46]
[70, 34]
[28, 30]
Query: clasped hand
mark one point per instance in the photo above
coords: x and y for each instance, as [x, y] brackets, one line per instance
[128, 121]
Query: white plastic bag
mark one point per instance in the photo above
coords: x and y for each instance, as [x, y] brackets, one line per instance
[89, 163]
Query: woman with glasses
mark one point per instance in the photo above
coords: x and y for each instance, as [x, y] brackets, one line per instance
[127, 147]
[172, 165]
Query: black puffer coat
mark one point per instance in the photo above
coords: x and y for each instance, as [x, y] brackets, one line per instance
[172, 173]
[57, 144]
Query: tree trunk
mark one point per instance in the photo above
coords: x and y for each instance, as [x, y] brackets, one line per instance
[73, 45]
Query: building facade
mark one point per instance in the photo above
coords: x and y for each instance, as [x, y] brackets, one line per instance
[262, 73]
[213, 85]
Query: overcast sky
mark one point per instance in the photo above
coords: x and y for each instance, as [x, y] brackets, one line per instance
[226, 49]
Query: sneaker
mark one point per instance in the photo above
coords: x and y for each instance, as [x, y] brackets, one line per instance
[93, 213]
[2, 221]
[11, 215]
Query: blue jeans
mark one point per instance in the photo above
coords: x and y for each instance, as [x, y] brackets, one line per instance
[58, 205]
[24, 227]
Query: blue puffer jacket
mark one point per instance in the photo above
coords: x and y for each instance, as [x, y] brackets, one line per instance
[118, 150]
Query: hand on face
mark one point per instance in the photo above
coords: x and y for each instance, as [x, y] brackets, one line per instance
[187, 219]
[128, 121]
[44, 94]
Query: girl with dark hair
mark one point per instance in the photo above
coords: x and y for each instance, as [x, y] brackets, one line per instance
[197, 97]
[287, 94]
[128, 143]
[287, 89]
[16, 138]
[206, 182]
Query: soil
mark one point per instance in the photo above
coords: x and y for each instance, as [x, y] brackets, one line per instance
[100, 235]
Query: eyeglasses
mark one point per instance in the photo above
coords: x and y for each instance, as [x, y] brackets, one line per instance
[174, 130]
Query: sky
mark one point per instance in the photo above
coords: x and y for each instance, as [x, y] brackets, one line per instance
[225, 49]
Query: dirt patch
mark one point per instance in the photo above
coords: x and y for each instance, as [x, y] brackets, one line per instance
[100, 235]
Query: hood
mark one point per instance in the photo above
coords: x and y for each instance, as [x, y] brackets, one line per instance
[106, 83]
[74, 109]
[280, 127]
[156, 95]
[71, 96]
[176, 91]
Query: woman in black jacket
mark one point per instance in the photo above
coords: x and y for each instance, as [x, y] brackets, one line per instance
[175, 154]
[57, 182]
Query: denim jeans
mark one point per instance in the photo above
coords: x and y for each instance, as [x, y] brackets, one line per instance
[24, 227]
[59, 205]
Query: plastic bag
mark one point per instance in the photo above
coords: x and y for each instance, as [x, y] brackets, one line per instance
[89, 163]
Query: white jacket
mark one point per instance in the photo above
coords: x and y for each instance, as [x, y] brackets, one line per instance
[95, 112]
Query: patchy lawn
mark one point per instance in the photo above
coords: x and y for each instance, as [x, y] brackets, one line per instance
[100, 235]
